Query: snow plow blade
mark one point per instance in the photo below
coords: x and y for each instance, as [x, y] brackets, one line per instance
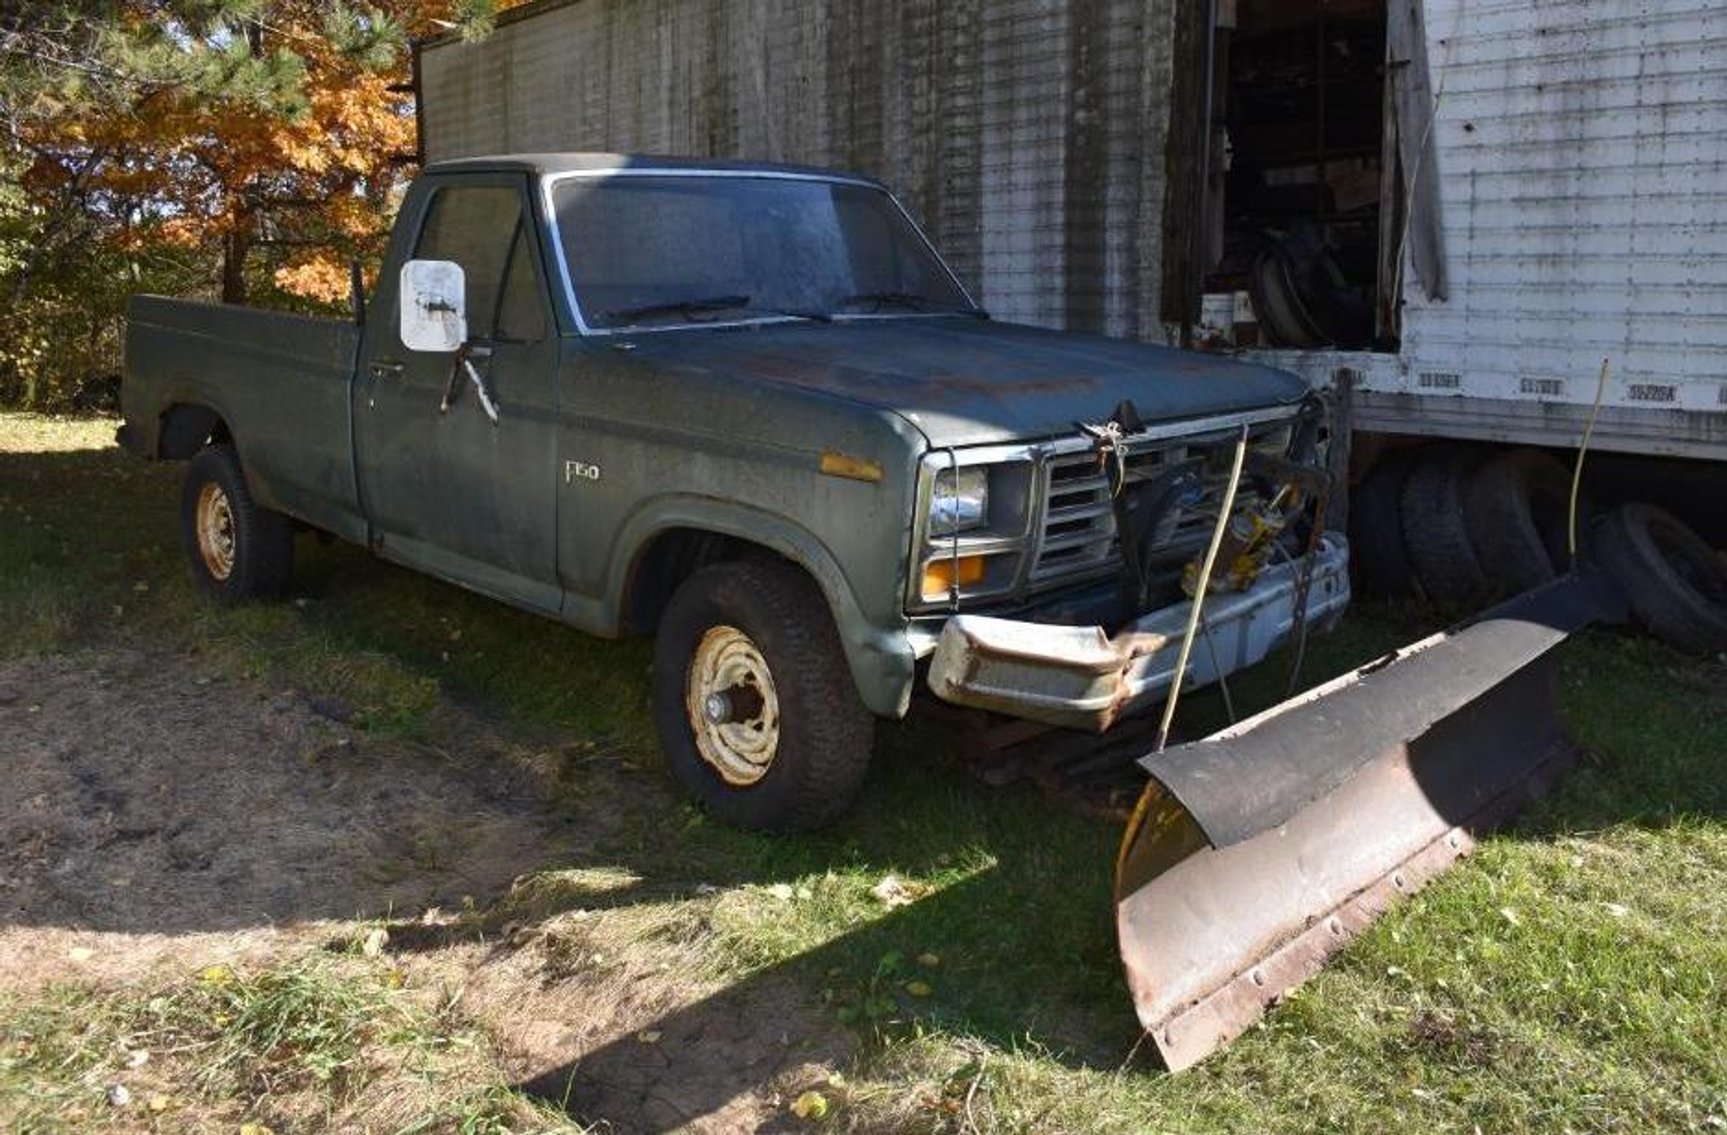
[1257, 853]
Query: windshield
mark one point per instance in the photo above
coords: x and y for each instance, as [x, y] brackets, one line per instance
[644, 249]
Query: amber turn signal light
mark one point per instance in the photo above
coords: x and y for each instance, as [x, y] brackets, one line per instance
[939, 576]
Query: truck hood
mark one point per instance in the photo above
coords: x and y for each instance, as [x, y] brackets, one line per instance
[967, 381]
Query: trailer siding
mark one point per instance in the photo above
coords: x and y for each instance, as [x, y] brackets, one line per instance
[1582, 149]
[1027, 136]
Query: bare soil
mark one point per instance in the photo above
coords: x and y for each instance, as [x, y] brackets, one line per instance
[156, 818]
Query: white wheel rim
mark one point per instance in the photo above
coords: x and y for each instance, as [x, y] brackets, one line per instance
[732, 706]
[215, 531]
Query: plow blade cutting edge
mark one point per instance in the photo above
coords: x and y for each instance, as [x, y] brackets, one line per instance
[1258, 853]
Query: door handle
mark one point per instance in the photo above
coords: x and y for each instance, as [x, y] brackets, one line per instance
[387, 368]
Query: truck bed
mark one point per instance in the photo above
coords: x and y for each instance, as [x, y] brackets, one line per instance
[280, 382]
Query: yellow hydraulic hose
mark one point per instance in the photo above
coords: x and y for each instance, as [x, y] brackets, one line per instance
[1577, 469]
[1223, 515]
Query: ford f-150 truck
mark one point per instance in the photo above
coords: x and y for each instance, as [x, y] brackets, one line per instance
[747, 409]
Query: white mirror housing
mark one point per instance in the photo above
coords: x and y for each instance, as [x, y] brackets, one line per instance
[433, 299]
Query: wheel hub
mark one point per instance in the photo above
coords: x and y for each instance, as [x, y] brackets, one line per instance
[215, 531]
[733, 706]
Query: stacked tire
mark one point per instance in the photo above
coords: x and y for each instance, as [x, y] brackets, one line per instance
[1676, 584]
[1457, 525]
[1460, 524]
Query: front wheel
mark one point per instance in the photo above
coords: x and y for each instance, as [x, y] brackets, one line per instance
[238, 549]
[753, 701]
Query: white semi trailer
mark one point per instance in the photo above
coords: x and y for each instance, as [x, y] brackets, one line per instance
[1450, 211]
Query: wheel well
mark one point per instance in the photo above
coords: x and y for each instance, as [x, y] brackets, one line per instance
[672, 557]
[187, 428]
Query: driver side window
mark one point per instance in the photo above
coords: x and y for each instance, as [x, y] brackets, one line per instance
[477, 227]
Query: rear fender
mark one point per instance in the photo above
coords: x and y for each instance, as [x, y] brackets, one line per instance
[181, 431]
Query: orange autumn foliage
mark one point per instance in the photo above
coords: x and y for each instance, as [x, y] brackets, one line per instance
[280, 189]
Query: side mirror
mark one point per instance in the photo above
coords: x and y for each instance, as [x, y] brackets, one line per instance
[434, 294]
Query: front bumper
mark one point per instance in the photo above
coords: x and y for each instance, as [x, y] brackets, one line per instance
[1083, 678]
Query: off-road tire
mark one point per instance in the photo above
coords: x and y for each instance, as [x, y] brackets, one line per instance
[1376, 545]
[1434, 529]
[262, 554]
[825, 732]
[1676, 583]
[1515, 506]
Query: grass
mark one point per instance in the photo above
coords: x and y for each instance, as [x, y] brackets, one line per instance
[1571, 976]
[317, 1044]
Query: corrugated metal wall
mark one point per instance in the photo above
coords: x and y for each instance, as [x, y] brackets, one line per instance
[1028, 136]
[1582, 148]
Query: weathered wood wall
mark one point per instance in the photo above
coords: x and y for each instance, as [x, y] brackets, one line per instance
[1030, 137]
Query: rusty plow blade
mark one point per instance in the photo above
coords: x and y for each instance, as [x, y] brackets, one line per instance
[1258, 853]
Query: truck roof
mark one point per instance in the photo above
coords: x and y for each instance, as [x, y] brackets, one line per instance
[552, 163]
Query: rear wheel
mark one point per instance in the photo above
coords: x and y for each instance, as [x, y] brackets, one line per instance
[236, 548]
[753, 700]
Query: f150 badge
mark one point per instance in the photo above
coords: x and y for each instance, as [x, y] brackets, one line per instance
[580, 471]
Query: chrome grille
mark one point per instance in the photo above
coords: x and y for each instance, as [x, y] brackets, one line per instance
[1076, 530]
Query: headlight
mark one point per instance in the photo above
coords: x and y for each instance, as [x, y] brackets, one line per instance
[959, 501]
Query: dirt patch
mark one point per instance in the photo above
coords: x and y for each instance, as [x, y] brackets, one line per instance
[1439, 1032]
[146, 798]
[158, 819]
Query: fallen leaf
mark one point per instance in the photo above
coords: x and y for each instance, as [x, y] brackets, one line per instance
[929, 959]
[894, 891]
[811, 1105]
[918, 988]
[159, 1102]
[649, 1036]
[80, 953]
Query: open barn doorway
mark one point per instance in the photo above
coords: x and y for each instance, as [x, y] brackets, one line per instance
[1302, 214]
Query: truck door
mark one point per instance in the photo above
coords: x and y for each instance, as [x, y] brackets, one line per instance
[449, 490]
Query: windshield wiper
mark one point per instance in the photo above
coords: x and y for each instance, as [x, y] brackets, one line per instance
[679, 307]
[905, 299]
[797, 313]
[710, 303]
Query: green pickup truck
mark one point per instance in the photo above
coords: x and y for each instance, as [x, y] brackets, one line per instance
[748, 410]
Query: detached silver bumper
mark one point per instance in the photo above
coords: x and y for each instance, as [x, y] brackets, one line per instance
[1082, 678]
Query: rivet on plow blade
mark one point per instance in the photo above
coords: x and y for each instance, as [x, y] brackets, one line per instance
[1258, 853]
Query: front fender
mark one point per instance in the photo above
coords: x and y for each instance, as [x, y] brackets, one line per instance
[880, 658]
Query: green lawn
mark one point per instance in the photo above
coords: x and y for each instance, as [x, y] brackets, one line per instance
[1571, 976]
